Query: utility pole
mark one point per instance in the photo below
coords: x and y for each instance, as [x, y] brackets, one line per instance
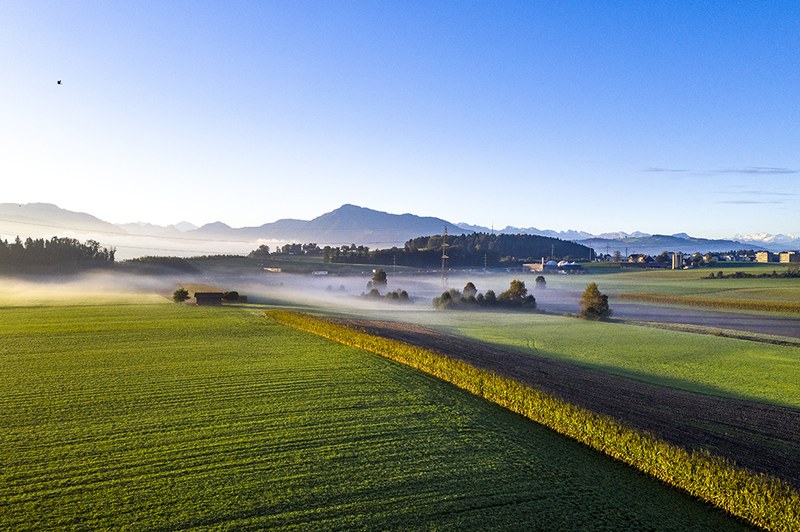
[444, 257]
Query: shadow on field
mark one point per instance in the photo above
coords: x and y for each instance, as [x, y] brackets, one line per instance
[762, 437]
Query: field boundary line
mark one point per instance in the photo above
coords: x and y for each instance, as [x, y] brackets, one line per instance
[763, 500]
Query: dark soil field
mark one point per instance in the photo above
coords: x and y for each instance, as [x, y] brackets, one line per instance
[762, 437]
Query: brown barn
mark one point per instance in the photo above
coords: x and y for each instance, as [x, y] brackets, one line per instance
[209, 298]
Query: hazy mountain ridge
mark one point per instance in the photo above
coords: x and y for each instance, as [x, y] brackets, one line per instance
[345, 225]
[46, 216]
[145, 228]
[655, 244]
[569, 234]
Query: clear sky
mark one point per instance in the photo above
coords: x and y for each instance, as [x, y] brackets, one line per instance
[663, 117]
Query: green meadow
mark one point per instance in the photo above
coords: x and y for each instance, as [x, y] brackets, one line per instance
[693, 287]
[162, 416]
[697, 362]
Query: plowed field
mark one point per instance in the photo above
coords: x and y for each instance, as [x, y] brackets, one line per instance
[759, 436]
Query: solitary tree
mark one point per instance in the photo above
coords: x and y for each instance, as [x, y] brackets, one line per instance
[517, 295]
[180, 295]
[540, 282]
[594, 305]
[378, 278]
[469, 290]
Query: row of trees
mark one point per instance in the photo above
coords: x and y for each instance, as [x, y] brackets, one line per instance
[56, 255]
[516, 296]
[593, 303]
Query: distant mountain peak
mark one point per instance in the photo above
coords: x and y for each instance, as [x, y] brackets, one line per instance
[216, 225]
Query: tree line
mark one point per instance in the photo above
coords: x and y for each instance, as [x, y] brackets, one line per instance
[464, 251]
[56, 255]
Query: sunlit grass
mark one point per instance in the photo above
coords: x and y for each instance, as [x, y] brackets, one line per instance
[695, 362]
[170, 416]
[762, 500]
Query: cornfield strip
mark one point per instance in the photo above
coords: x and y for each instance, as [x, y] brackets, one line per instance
[760, 499]
[696, 301]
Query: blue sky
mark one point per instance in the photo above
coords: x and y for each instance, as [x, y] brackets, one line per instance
[662, 117]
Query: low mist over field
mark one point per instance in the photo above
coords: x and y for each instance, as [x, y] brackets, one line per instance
[89, 288]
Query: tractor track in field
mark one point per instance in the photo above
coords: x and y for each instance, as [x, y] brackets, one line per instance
[759, 436]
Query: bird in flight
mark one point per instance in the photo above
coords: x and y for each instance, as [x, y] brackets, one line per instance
[59, 82]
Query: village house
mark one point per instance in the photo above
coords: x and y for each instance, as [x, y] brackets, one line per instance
[789, 256]
[765, 256]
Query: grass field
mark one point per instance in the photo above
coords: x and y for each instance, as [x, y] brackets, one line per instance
[680, 287]
[692, 284]
[164, 416]
[696, 362]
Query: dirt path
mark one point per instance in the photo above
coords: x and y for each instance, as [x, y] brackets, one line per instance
[762, 437]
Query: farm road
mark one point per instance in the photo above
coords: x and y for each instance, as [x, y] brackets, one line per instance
[684, 315]
[759, 436]
[760, 324]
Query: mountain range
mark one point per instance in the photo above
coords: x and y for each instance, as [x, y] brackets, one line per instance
[349, 224]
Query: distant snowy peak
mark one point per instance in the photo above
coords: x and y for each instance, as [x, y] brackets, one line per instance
[619, 235]
[768, 238]
[779, 242]
[569, 234]
[511, 230]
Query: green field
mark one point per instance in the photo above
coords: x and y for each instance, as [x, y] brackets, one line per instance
[694, 283]
[696, 362]
[159, 416]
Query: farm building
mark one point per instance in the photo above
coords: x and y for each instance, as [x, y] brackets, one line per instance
[553, 267]
[549, 266]
[209, 298]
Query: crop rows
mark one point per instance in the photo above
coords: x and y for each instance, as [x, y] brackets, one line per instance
[169, 417]
[760, 499]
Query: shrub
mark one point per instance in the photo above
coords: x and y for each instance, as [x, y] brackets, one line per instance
[180, 295]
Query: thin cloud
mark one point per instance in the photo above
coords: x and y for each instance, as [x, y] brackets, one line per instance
[657, 170]
[759, 170]
[751, 202]
[768, 193]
